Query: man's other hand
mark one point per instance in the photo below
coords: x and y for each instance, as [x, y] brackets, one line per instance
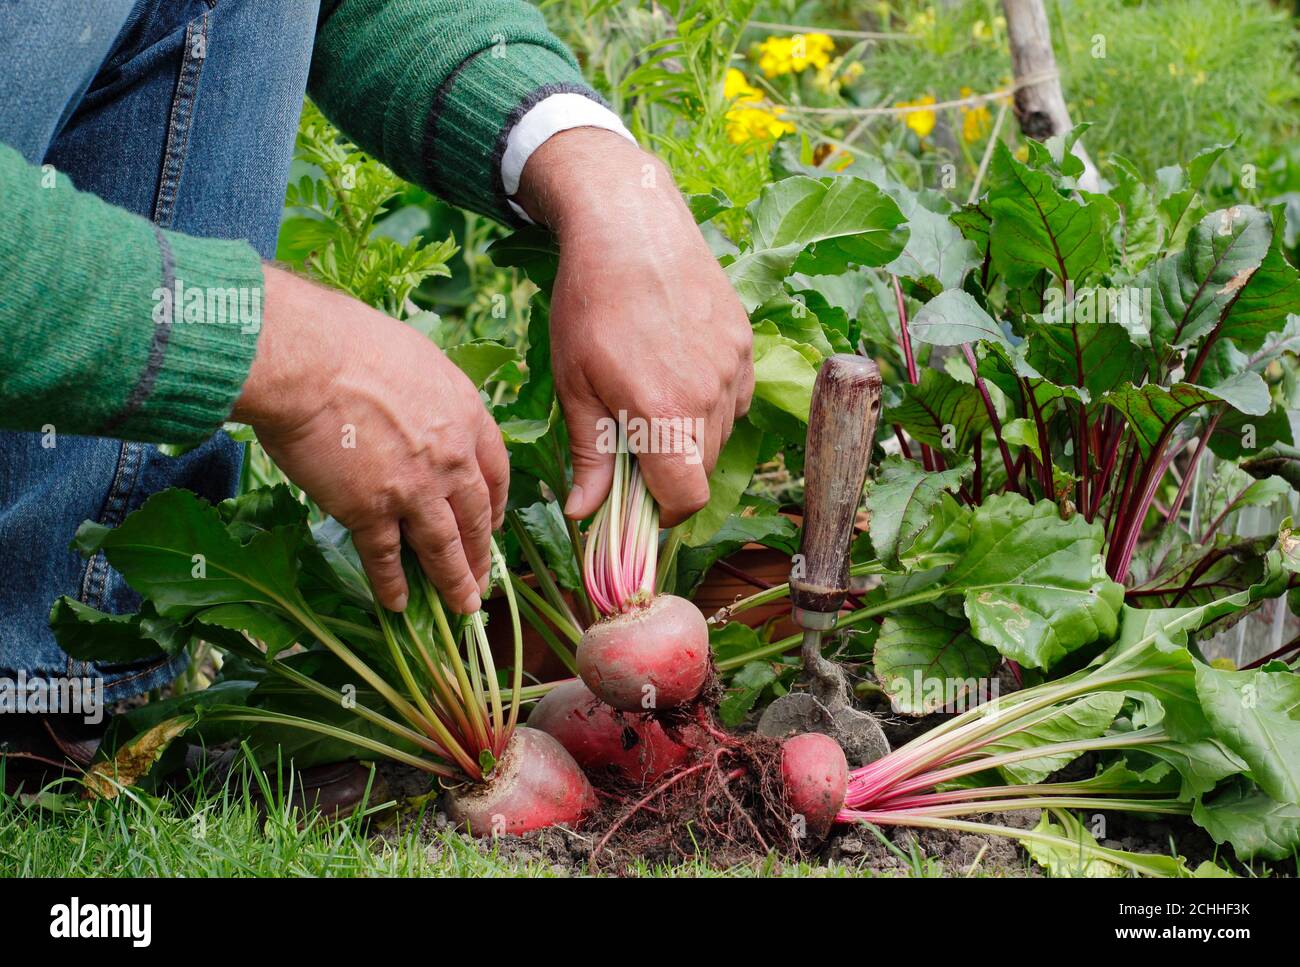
[383, 432]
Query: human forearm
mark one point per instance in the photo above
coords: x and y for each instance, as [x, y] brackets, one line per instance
[95, 340]
[296, 351]
[587, 179]
[434, 87]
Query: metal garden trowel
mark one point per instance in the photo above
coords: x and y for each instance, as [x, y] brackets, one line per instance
[841, 432]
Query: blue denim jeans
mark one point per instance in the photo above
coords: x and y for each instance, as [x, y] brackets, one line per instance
[183, 111]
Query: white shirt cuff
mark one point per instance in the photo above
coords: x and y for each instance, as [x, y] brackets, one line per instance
[551, 115]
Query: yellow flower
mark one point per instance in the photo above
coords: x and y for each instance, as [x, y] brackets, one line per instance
[794, 54]
[756, 124]
[831, 78]
[811, 50]
[748, 120]
[736, 87]
[983, 30]
[1223, 664]
[975, 121]
[774, 56]
[922, 122]
[923, 22]
[826, 81]
[974, 124]
[1022, 153]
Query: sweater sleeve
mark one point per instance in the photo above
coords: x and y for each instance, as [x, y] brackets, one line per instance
[435, 87]
[112, 326]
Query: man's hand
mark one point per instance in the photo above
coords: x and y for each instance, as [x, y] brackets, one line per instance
[642, 319]
[384, 432]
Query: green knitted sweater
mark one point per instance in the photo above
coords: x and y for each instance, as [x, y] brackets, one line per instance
[432, 87]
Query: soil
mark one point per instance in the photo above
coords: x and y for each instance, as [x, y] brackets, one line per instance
[859, 735]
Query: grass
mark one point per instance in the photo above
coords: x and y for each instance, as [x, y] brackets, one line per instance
[224, 836]
[196, 832]
[222, 832]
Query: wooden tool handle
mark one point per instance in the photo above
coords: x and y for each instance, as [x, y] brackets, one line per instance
[841, 432]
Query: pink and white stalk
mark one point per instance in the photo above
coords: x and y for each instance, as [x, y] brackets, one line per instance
[649, 652]
[622, 549]
[911, 785]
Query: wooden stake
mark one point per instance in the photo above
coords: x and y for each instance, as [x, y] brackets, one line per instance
[1040, 107]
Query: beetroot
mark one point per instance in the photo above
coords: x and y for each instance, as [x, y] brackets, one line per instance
[816, 777]
[648, 653]
[536, 784]
[601, 740]
[649, 658]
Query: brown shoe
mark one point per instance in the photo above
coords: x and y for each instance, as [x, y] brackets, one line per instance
[36, 750]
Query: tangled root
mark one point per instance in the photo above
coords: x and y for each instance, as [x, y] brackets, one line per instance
[729, 803]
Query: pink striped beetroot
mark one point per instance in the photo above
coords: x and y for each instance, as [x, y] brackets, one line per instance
[650, 652]
[604, 741]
